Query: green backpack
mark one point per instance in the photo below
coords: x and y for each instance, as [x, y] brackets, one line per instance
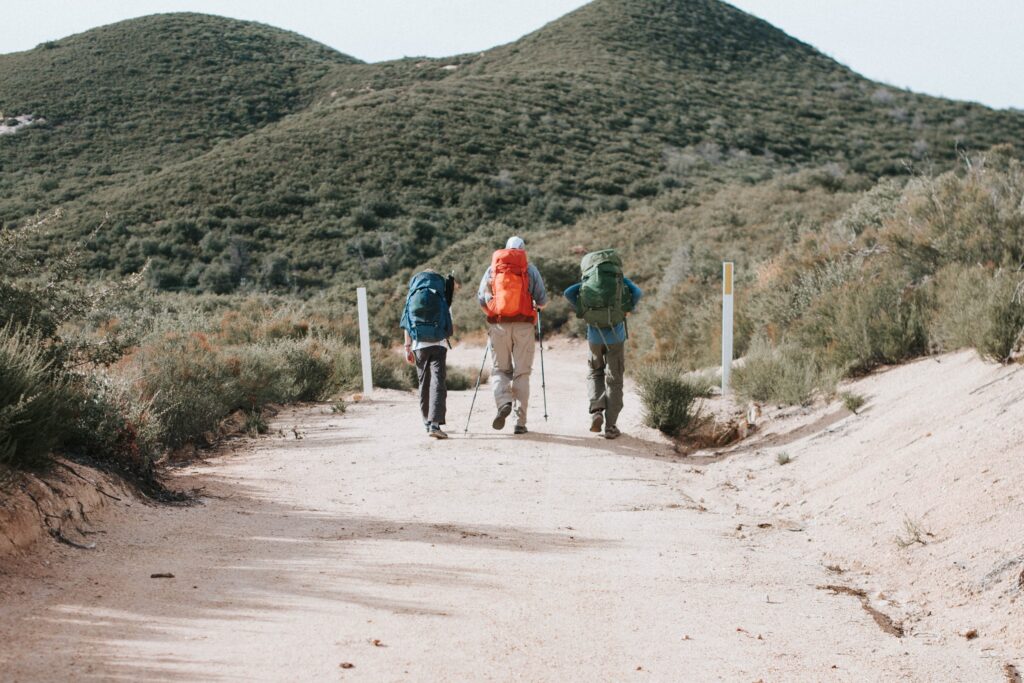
[603, 300]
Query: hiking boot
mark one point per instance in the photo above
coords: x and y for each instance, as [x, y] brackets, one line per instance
[499, 419]
[436, 433]
[596, 420]
[612, 432]
[520, 429]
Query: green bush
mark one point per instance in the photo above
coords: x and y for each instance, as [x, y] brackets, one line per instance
[390, 371]
[463, 379]
[670, 399]
[261, 375]
[852, 401]
[873, 319]
[113, 425]
[33, 401]
[978, 308]
[311, 370]
[189, 385]
[786, 374]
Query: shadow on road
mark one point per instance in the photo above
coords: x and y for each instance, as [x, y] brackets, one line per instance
[257, 562]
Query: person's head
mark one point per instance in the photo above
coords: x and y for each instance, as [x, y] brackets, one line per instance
[515, 242]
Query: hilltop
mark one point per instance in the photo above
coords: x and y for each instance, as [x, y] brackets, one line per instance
[123, 101]
[367, 170]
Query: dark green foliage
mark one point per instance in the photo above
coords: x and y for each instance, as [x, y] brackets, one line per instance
[311, 370]
[33, 404]
[256, 423]
[188, 386]
[237, 156]
[390, 371]
[110, 424]
[876, 318]
[670, 399]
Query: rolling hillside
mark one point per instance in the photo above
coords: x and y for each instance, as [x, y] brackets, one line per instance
[302, 168]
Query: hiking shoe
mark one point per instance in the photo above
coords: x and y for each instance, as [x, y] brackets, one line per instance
[426, 426]
[499, 419]
[520, 429]
[596, 420]
[612, 432]
[436, 433]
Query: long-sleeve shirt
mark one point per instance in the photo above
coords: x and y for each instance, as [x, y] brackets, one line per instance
[605, 335]
[535, 282]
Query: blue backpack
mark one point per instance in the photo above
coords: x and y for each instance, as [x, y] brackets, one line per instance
[426, 315]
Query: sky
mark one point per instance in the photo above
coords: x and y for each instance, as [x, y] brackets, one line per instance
[951, 48]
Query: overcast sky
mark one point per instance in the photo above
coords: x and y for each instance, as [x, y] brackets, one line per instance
[953, 48]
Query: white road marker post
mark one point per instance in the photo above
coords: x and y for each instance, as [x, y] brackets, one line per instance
[364, 340]
[727, 277]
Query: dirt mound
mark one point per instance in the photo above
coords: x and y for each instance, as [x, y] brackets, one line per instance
[61, 503]
[915, 500]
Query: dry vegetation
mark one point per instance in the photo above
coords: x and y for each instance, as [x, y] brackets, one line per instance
[121, 379]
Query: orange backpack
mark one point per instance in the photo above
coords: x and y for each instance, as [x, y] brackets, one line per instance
[510, 288]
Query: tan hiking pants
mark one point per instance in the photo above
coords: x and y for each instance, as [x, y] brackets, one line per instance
[604, 382]
[512, 348]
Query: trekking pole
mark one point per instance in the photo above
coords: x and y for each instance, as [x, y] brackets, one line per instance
[543, 380]
[479, 377]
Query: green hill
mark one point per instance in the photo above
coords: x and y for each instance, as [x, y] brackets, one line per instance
[317, 170]
[123, 101]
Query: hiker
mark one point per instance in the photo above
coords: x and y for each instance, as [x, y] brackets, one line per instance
[511, 292]
[427, 325]
[603, 298]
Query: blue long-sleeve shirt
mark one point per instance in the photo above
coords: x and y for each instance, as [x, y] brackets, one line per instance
[605, 335]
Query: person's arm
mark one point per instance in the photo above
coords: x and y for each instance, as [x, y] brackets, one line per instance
[408, 347]
[573, 293]
[634, 291]
[538, 292]
[483, 293]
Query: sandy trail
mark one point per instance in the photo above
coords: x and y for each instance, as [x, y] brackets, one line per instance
[554, 557]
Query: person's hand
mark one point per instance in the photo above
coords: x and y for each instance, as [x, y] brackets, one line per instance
[409, 357]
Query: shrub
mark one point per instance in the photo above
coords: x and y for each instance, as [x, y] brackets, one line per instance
[390, 371]
[259, 374]
[311, 370]
[873, 319]
[670, 399]
[188, 384]
[255, 423]
[33, 401]
[785, 374]
[112, 424]
[978, 308]
[853, 402]
[463, 379]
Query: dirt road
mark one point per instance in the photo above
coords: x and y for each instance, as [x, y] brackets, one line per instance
[552, 557]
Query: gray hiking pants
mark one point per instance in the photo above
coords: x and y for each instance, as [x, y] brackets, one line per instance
[431, 369]
[512, 347]
[604, 383]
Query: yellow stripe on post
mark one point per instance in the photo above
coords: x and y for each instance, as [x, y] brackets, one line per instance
[727, 279]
